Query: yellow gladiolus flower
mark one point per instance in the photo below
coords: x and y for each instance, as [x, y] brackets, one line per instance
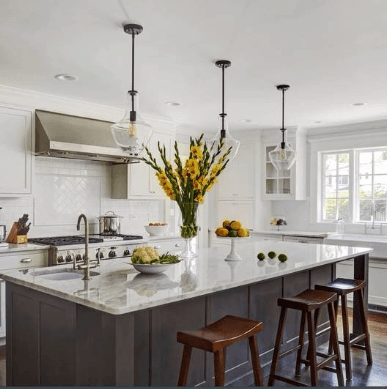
[192, 167]
[215, 169]
[196, 184]
[199, 198]
[196, 152]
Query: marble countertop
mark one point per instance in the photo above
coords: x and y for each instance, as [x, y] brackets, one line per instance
[12, 248]
[310, 234]
[120, 289]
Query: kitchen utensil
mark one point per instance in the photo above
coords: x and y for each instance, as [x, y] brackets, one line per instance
[109, 224]
[3, 233]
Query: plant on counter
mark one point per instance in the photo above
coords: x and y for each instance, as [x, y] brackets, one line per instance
[148, 255]
[188, 182]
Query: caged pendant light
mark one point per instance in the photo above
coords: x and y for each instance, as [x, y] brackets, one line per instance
[283, 156]
[223, 133]
[131, 133]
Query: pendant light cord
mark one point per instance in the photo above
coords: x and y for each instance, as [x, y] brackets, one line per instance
[132, 71]
[283, 119]
[222, 115]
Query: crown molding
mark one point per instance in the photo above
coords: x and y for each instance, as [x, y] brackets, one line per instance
[31, 100]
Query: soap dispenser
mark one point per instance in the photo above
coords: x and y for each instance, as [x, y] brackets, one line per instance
[340, 226]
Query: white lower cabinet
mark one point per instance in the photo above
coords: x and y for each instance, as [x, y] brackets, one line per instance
[2, 308]
[164, 245]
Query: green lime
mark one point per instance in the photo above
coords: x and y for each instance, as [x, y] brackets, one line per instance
[282, 257]
[233, 233]
[271, 254]
[261, 256]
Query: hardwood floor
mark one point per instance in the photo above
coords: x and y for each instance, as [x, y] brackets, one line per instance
[363, 375]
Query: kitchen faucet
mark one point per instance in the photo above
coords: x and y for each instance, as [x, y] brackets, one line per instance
[86, 263]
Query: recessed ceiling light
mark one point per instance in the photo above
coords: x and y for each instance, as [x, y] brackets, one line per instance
[358, 104]
[173, 103]
[66, 77]
[245, 120]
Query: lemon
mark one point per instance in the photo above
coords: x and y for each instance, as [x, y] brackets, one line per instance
[261, 256]
[223, 232]
[217, 231]
[235, 225]
[282, 257]
[242, 232]
[271, 254]
[226, 223]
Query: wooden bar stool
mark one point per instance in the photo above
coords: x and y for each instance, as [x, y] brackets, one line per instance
[342, 287]
[307, 302]
[215, 338]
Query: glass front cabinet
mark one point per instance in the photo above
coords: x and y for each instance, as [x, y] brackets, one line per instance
[290, 185]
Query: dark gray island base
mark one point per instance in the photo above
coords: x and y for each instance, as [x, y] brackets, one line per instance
[53, 341]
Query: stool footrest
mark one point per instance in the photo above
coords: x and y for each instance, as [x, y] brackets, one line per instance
[359, 346]
[292, 350]
[357, 339]
[289, 381]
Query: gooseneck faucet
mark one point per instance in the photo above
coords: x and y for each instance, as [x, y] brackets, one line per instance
[85, 266]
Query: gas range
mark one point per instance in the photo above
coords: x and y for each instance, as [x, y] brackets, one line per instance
[64, 249]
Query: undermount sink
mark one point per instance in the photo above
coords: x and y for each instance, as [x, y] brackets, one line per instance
[61, 274]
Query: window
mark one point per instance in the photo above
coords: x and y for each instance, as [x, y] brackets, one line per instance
[354, 185]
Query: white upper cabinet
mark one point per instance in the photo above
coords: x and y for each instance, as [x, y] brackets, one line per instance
[139, 179]
[15, 152]
[237, 180]
[291, 185]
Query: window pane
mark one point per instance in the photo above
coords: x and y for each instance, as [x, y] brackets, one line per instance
[344, 208]
[365, 210]
[329, 209]
[343, 180]
[365, 179]
[330, 192]
[343, 163]
[331, 180]
[380, 186]
[365, 162]
[380, 162]
[330, 164]
[380, 210]
[365, 191]
[343, 192]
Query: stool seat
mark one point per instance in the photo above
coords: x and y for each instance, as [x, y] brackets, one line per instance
[308, 300]
[342, 286]
[214, 338]
[220, 334]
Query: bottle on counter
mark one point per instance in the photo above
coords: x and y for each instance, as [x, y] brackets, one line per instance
[340, 225]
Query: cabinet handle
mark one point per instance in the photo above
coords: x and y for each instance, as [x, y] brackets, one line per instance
[157, 247]
[178, 245]
[302, 241]
[26, 260]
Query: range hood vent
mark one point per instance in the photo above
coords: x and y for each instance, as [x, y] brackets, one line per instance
[66, 136]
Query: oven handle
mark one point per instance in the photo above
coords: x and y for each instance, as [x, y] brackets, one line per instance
[26, 260]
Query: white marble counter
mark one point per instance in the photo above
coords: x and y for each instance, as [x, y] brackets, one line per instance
[309, 234]
[120, 289]
[13, 248]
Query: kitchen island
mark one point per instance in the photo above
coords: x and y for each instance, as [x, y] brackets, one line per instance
[119, 328]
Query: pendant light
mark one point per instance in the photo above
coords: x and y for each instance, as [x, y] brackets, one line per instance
[131, 133]
[283, 156]
[223, 133]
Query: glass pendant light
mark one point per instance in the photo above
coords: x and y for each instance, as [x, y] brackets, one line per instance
[223, 133]
[131, 133]
[283, 156]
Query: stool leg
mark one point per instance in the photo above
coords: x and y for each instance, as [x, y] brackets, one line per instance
[316, 315]
[347, 345]
[312, 349]
[363, 315]
[300, 343]
[219, 366]
[255, 361]
[335, 344]
[336, 305]
[277, 346]
[185, 366]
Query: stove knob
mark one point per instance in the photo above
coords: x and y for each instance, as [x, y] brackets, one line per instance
[78, 257]
[126, 252]
[83, 256]
[69, 258]
[112, 254]
[60, 259]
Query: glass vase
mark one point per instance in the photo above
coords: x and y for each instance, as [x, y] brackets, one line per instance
[188, 227]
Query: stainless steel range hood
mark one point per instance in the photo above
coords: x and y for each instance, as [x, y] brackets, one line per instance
[65, 136]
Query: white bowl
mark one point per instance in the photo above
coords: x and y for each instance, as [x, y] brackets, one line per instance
[152, 268]
[156, 230]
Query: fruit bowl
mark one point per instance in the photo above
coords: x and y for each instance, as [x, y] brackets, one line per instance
[156, 230]
[152, 268]
[233, 255]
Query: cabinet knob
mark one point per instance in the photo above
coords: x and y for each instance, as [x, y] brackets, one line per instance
[178, 245]
[26, 260]
[157, 247]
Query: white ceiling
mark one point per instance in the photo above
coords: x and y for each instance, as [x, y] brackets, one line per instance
[333, 53]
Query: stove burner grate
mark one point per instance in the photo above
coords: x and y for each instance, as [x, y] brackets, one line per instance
[64, 240]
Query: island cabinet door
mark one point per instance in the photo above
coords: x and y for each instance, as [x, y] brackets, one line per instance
[42, 352]
[264, 308]
[165, 352]
[231, 302]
